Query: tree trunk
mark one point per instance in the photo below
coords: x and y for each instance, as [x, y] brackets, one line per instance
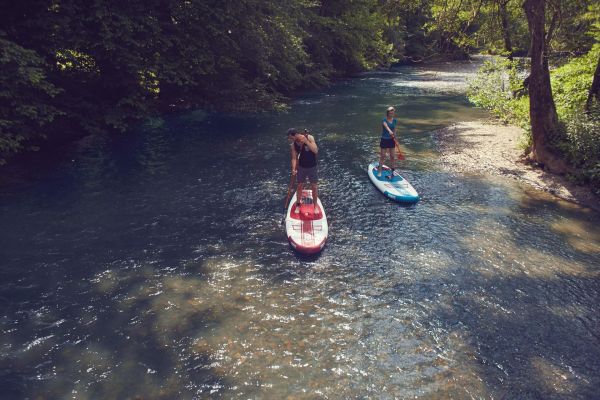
[542, 111]
[505, 32]
[594, 95]
[553, 23]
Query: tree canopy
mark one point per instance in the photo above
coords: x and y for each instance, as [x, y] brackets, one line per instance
[70, 67]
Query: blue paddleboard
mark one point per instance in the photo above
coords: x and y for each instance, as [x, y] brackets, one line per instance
[393, 186]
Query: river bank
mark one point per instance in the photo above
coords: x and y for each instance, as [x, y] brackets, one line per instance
[489, 147]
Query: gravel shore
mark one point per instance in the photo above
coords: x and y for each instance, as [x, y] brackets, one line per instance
[486, 147]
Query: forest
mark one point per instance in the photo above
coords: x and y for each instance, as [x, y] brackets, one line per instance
[71, 68]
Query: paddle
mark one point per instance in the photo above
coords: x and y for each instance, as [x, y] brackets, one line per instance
[287, 199]
[398, 151]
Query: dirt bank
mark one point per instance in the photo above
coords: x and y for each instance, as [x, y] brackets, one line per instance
[487, 147]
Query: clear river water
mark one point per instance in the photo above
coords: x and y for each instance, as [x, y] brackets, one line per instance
[154, 265]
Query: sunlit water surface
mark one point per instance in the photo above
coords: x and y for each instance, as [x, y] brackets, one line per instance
[155, 265]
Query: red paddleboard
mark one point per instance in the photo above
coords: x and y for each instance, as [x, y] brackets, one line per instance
[306, 229]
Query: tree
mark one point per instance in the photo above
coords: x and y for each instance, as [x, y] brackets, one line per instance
[69, 68]
[503, 13]
[594, 94]
[545, 128]
[569, 26]
[454, 22]
[26, 98]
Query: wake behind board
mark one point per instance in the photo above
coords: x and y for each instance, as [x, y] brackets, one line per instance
[397, 188]
[306, 230]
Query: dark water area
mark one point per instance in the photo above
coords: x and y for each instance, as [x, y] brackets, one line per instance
[155, 265]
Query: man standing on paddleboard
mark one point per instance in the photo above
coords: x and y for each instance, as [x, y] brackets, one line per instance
[304, 163]
[388, 140]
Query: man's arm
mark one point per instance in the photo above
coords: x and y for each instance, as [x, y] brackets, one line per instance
[312, 145]
[294, 158]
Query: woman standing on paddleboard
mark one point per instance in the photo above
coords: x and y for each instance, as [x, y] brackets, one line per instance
[388, 143]
[304, 163]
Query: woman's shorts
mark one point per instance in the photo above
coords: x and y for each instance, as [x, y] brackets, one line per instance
[387, 143]
[307, 173]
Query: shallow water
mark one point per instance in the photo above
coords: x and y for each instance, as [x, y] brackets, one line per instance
[155, 265]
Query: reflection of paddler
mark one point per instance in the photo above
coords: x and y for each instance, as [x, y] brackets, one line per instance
[304, 163]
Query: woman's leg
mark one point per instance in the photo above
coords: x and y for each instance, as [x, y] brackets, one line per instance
[381, 156]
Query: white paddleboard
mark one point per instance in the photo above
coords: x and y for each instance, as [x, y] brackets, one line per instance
[306, 230]
[393, 186]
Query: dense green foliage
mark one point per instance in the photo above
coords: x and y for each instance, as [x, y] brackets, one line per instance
[496, 87]
[69, 67]
[572, 81]
[25, 97]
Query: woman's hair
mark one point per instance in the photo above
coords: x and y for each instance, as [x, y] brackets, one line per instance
[292, 132]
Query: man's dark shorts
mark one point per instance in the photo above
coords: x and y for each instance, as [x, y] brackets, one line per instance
[307, 173]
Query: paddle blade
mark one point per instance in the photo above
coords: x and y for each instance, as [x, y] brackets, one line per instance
[398, 151]
[400, 155]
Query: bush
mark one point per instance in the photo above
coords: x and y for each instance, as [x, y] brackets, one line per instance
[583, 148]
[571, 83]
[570, 86]
[496, 87]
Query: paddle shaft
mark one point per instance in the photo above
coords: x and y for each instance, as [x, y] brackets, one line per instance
[289, 192]
[400, 155]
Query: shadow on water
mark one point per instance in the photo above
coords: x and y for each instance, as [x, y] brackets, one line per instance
[522, 322]
[505, 319]
[175, 327]
[131, 333]
[514, 357]
[307, 258]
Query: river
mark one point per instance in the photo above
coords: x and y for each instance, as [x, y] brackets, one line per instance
[154, 265]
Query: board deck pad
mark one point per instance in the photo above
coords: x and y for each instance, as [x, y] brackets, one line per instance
[306, 212]
[306, 230]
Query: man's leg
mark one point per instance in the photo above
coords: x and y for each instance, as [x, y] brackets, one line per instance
[298, 197]
[313, 186]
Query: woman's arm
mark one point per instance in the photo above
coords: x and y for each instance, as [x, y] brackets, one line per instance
[392, 133]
